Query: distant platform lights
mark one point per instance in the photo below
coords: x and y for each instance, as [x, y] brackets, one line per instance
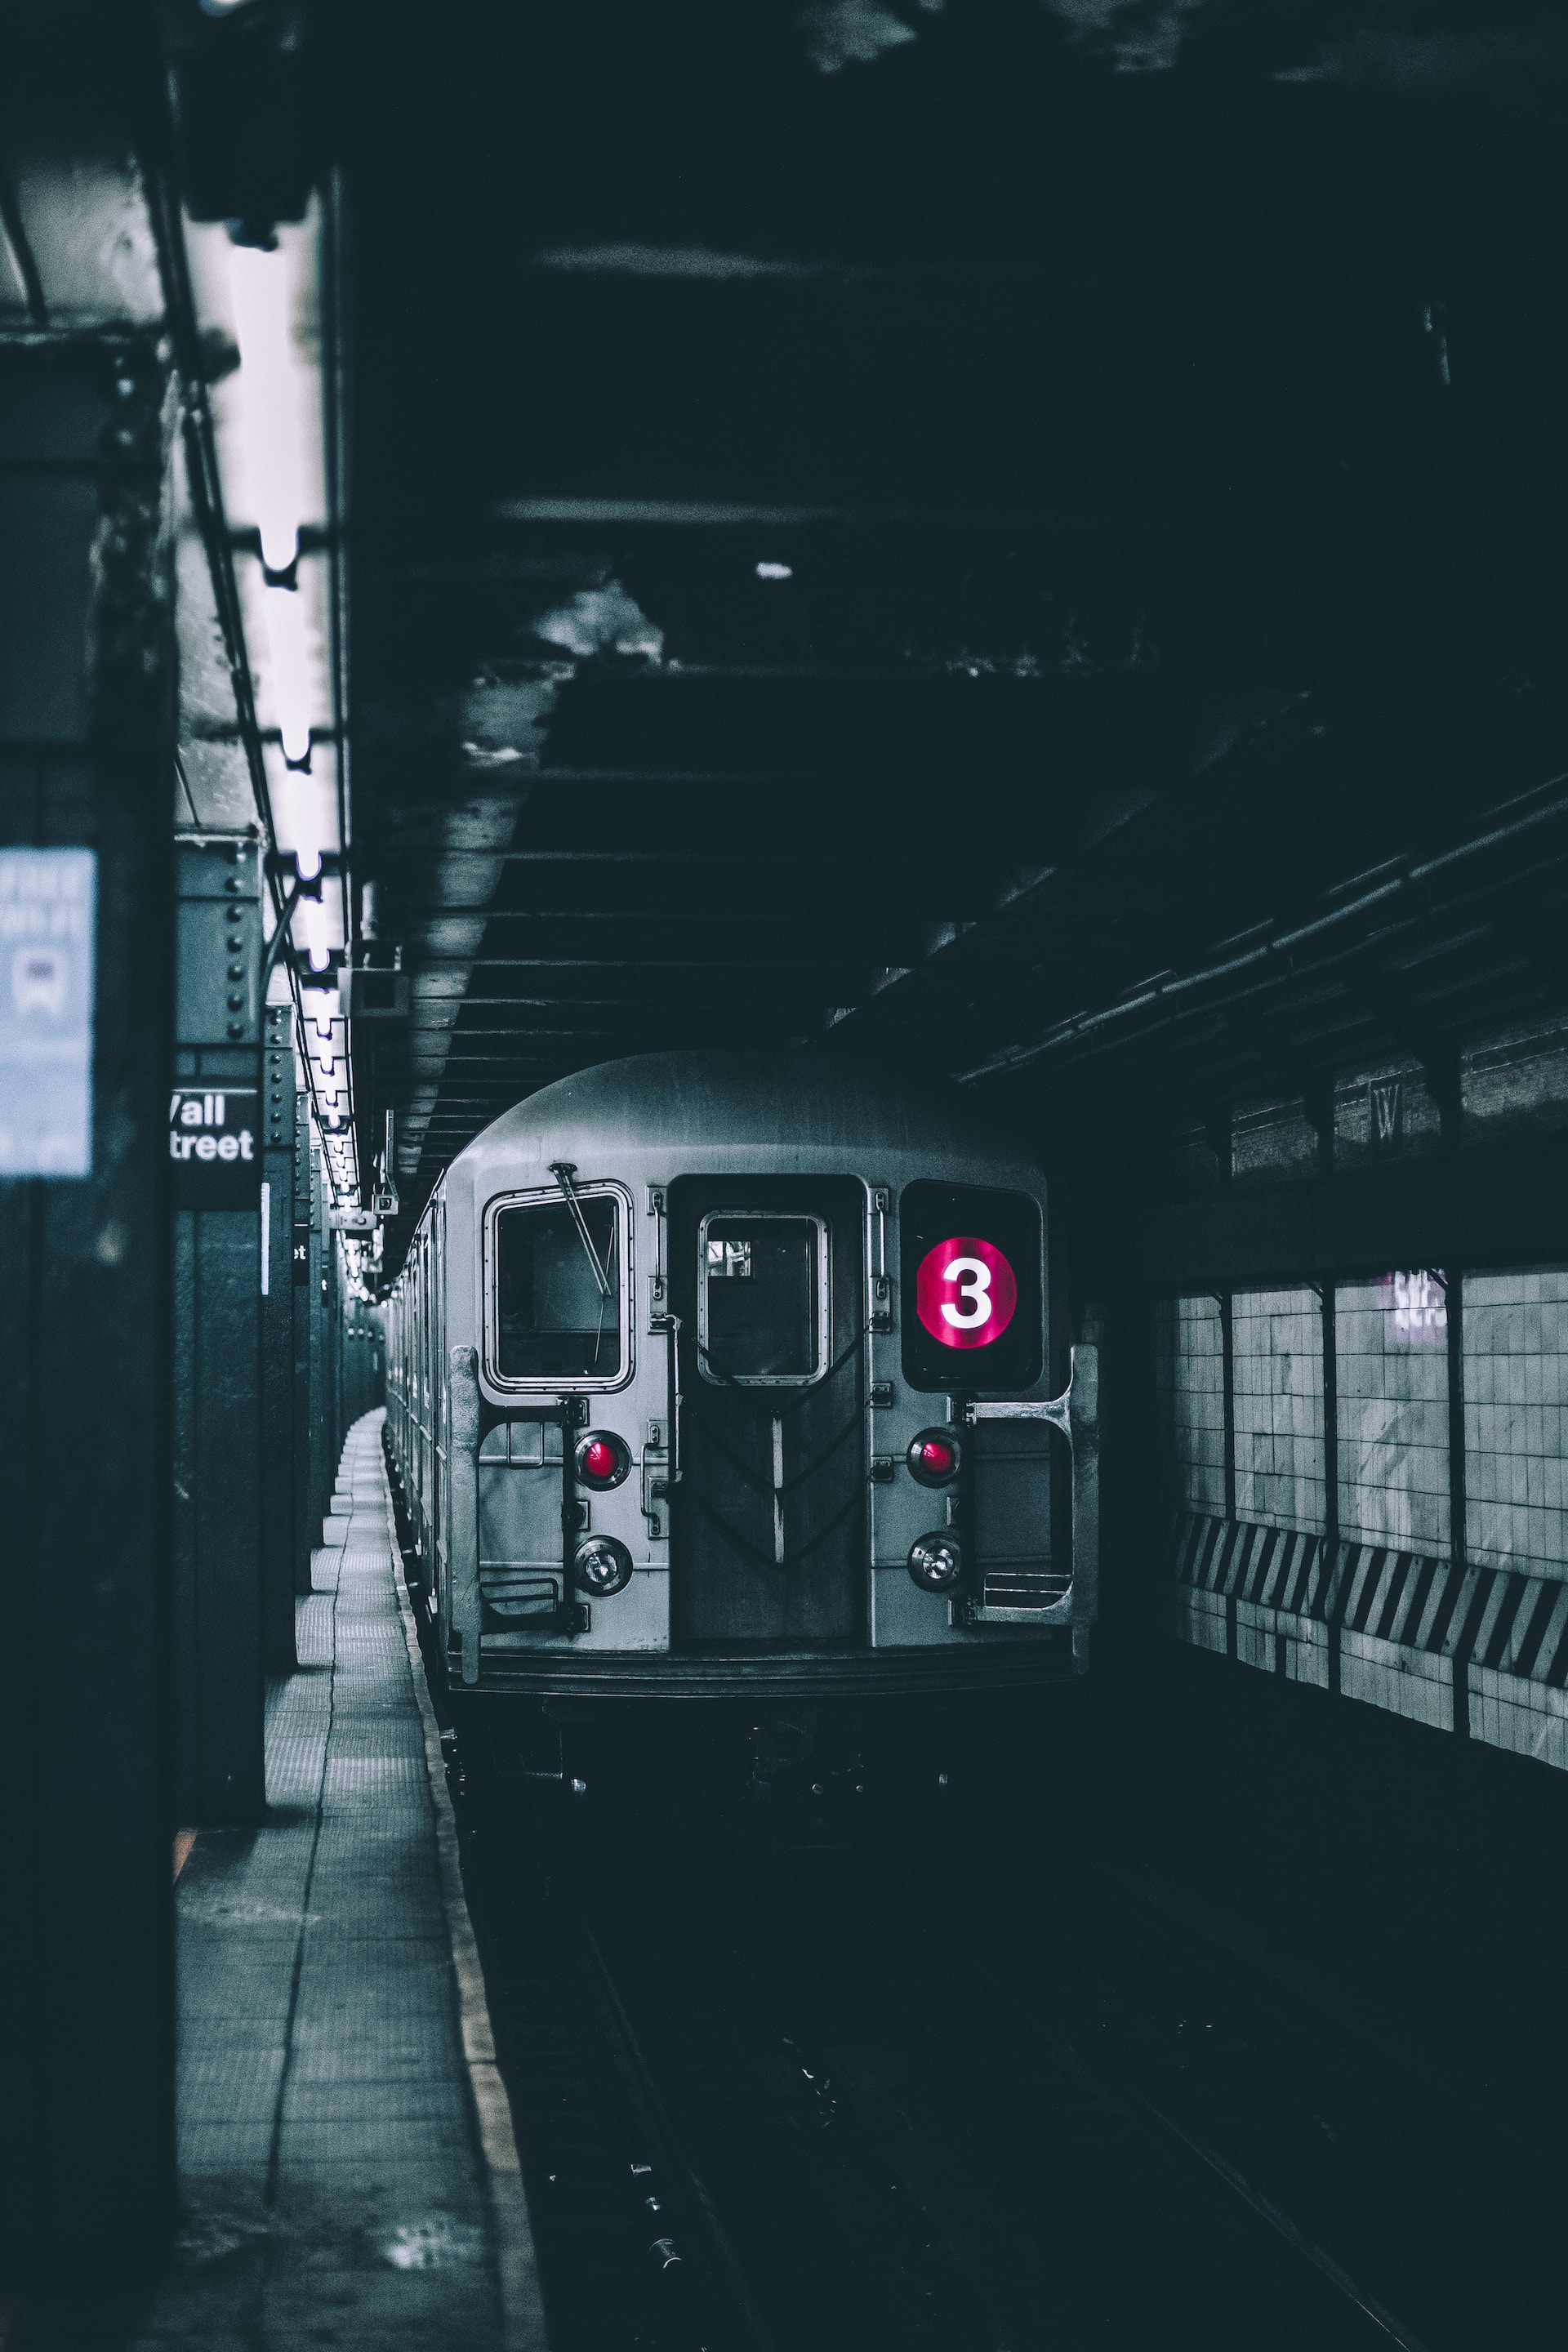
[278, 396]
[324, 1041]
[275, 384]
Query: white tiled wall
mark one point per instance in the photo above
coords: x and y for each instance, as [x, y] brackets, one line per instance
[1393, 1428]
[1516, 1421]
[1189, 1365]
[1392, 1417]
[1200, 1619]
[1277, 1357]
[1529, 1717]
[1406, 1681]
[1392, 1361]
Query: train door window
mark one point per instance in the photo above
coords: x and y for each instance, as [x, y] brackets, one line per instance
[561, 1294]
[762, 1298]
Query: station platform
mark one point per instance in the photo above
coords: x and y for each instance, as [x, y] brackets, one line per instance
[348, 2171]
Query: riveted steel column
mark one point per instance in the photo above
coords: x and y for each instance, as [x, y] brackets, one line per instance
[1455, 1297]
[333, 1300]
[1330, 1465]
[220, 1675]
[299, 1273]
[322, 1466]
[278, 1340]
[86, 741]
[1227, 1389]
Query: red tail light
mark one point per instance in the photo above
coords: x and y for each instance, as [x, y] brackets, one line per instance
[935, 1457]
[601, 1460]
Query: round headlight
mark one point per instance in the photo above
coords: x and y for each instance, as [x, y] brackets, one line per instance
[935, 1457]
[601, 1460]
[935, 1561]
[601, 1567]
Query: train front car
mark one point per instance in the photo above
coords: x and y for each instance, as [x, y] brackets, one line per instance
[731, 1377]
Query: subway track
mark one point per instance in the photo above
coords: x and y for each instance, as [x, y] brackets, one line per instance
[941, 2061]
[906, 2090]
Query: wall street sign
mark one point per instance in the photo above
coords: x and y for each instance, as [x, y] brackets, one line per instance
[215, 1144]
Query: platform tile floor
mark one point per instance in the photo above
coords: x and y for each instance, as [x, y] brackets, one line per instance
[332, 2188]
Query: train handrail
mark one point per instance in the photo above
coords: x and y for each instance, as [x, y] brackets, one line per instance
[1075, 1412]
[670, 1326]
[463, 1563]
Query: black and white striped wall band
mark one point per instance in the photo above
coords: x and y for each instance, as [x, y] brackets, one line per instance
[1479, 1650]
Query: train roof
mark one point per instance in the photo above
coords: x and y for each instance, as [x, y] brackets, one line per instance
[811, 1105]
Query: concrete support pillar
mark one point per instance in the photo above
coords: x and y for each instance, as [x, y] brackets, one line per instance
[86, 746]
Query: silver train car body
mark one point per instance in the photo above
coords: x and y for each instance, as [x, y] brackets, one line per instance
[714, 1374]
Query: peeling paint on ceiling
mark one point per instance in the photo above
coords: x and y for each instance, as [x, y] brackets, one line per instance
[503, 720]
[1134, 34]
[600, 621]
[673, 261]
[840, 33]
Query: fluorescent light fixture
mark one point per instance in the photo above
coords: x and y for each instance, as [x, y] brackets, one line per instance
[324, 996]
[258, 283]
[290, 670]
[299, 811]
[313, 923]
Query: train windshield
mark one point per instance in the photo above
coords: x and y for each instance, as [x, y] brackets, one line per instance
[762, 1298]
[558, 1307]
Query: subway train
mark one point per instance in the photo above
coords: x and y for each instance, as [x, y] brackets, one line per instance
[729, 1377]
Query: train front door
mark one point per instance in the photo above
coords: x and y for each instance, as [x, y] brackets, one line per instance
[768, 1531]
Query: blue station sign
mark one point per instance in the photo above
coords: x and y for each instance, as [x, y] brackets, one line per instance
[47, 901]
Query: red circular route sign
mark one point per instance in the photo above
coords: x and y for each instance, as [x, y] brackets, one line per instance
[965, 1292]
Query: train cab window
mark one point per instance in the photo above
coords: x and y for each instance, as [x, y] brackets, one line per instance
[560, 1290]
[762, 1298]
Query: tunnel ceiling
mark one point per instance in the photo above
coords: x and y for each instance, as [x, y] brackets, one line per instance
[912, 532]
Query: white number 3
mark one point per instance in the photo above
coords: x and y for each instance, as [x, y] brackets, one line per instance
[974, 1290]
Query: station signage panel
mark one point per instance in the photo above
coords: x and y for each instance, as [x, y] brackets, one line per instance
[1415, 1308]
[47, 901]
[966, 1293]
[215, 1144]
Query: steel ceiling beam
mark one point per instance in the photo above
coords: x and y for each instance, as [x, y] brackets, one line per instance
[750, 914]
[607, 963]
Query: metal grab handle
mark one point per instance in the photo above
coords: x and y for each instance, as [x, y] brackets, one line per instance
[463, 1488]
[1075, 1412]
[672, 1326]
